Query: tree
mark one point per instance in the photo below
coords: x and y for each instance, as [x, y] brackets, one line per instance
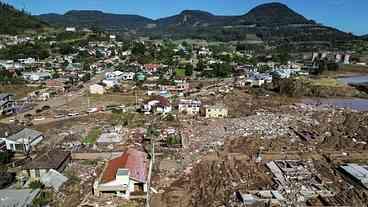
[5, 157]
[189, 70]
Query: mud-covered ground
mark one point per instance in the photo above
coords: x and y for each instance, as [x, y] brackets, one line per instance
[222, 155]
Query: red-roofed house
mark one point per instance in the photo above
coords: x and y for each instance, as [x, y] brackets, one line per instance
[151, 68]
[124, 175]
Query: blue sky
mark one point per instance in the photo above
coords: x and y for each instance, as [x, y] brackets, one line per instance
[346, 15]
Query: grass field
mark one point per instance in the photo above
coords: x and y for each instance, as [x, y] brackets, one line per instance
[328, 82]
[180, 73]
[92, 136]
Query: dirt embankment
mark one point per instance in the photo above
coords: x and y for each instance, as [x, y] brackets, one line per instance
[314, 88]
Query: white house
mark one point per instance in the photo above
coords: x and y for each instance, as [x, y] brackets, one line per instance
[96, 89]
[128, 75]
[70, 29]
[124, 175]
[110, 83]
[23, 141]
[37, 76]
[190, 107]
[215, 111]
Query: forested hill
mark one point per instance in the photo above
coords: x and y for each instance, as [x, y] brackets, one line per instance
[13, 21]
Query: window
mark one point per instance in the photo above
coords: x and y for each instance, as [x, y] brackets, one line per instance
[37, 173]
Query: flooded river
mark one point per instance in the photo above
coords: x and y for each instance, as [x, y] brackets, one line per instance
[351, 103]
[355, 79]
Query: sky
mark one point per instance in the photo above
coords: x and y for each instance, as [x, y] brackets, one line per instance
[346, 15]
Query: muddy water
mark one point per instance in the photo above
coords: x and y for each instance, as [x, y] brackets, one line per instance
[351, 103]
[355, 79]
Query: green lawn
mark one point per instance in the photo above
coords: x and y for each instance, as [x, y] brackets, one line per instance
[180, 72]
[92, 136]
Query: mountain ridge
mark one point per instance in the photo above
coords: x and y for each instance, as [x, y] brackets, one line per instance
[270, 21]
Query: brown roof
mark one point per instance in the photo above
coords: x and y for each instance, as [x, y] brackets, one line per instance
[133, 160]
[51, 160]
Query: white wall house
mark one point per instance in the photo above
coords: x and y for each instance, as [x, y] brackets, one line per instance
[70, 29]
[190, 107]
[124, 175]
[96, 89]
[23, 141]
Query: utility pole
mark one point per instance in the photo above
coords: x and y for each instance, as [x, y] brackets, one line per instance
[148, 197]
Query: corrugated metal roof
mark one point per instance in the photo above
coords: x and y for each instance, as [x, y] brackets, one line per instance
[133, 160]
[25, 134]
[17, 198]
[357, 171]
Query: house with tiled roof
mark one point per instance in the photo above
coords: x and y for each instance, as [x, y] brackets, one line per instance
[124, 175]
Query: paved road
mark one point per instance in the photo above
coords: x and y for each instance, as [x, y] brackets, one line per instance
[59, 101]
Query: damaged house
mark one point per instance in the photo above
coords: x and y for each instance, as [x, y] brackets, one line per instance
[22, 141]
[124, 175]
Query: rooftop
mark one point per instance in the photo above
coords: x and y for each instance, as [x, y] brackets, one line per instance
[132, 160]
[17, 198]
[24, 134]
[50, 160]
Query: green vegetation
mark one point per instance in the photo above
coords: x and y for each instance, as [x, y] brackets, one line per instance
[92, 136]
[43, 199]
[218, 71]
[180, 73]
[5, 157]
[128, 119]
[14, 21]
[37, 51]
[36, 184]
[330, 82]
[173, 140]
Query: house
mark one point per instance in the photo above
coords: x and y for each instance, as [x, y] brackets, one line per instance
[190, 107]
[5, 130]
[116, 75]
[70, 29]
[37, 76]
[23, 141]
[96, 89]
[124, 175]
[163, 105]
[216, 111]
[158, 105]
[7, 104]
[56, 160]
[358, 173]
[128, 75]
[110, 83]
[18, 197]
[151, 68]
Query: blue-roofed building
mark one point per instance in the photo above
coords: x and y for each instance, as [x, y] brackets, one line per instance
[357, 172]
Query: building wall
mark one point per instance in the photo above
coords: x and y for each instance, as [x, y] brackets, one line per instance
[216, 112]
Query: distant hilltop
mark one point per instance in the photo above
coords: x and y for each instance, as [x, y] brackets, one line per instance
[266, 22]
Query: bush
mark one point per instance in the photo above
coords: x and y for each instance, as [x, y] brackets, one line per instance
[42, 200]
[36, 185]
[5, 157]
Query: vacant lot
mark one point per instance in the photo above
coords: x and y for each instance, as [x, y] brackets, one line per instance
[20, 91]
